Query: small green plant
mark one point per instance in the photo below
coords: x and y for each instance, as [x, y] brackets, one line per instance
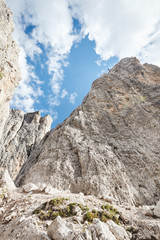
[109, 208]
[54, 215]
[129, 229]
[2, 196]
[104, 216]
[37, 211]
[89, 216]
[55, 207]
[103, 207]
[56, 202]
[83, 208]
[50, 210]
[1, 76]
[142, 98]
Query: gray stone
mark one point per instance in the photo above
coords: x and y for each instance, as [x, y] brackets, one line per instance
[156, 210]
[30, 187]
[117, 231]
[146, 230]
[147, 210]
[102, 230]
[58, 229]
[24, 229]
[5, 180]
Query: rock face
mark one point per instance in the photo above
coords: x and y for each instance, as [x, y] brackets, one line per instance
[9, 68]
[157, 210]
[22, 132]
[110, 144]
[19, 132]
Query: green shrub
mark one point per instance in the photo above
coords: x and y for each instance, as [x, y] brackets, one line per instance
[50, 210]
[89, 216]
[56, 202]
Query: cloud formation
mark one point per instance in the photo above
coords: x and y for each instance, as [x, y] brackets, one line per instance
[28, 91]
[52, 28]
[121, 28]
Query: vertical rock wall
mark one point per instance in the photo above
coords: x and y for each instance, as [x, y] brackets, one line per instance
[19, 132]
[9, 68]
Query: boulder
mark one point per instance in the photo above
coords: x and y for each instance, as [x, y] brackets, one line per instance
[30, 187]
[118, 231]
[58, 230]
[156, 210]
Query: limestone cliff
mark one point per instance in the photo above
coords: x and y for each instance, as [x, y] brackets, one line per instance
[19, 132]
[9, 68]
[22, 132]
[110, 144]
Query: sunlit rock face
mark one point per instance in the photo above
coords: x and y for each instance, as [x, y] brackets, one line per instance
[110, 143]
[22, 132]
[9, 68]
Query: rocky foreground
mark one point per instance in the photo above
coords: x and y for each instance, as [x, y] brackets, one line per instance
[96, 176]
[42, 212]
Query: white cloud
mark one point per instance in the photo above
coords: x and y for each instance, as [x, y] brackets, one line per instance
[120, 27]
[53, 100]
[25, 94]
[149, 53]
[72, 97]
[64, 93]
[53, 114]
[53, 28]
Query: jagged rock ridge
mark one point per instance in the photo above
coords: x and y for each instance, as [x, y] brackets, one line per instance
[110, 144]
[22, 132]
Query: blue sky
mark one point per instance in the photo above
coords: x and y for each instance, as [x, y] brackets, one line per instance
[79, 74]
[65, 45]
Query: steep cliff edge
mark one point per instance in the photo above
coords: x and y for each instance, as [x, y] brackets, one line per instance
[110, 144]
[19, 132]
[9, 68]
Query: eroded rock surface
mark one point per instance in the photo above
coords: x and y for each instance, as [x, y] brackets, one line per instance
[22, 132]
[110, 144]
[9, 68]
